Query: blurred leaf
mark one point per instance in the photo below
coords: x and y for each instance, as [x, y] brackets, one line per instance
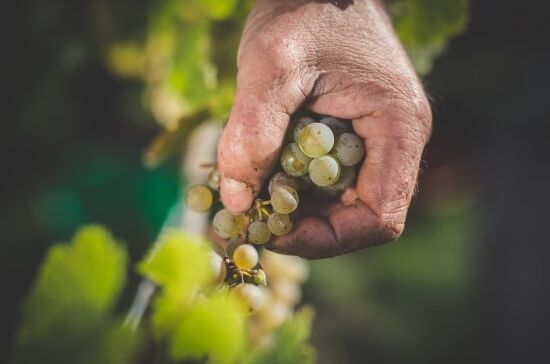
[290, 342]
[67, 314]
[425, 26]
[179, 263]
[213, 328]
[219, 9]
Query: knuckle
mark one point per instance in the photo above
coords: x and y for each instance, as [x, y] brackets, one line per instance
[389, 229]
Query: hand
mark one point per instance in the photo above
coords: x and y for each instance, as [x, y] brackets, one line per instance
[338, 58]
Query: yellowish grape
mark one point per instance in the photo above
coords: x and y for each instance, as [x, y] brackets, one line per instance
[245, 257]
[300, 125]
[324, 170]
[198, 198]
[348, 149]
[214, 178]
[279, 224]
[258, 233]
[294, 161]
[227, 225]
[251, 295]
[316, 140]
[284, 199]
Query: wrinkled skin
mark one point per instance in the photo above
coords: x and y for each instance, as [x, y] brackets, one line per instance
[341, 59]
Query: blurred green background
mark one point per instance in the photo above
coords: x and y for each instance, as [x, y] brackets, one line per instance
[467, 282]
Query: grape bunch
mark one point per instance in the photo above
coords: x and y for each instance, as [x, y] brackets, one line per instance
[320, 156]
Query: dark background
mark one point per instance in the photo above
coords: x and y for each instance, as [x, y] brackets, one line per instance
[468, 282]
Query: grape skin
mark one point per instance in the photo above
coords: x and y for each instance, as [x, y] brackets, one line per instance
[251, 295]
[258, 233]
[245, 257]
[316, 140]
[279, 224]
[214, 179]
[294, 161]
[284, 199]
[348, 149]
[198, 198]
[227, 225]
[336, 125]
[300, 125]
[324, 171]
[283, 179]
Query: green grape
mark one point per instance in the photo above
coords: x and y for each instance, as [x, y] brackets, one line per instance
[279, 224]
[316, 140]
[324, 170]
[251, 295]
[336, 125]
[245, 257]
[214, 178]
[284, 199]
[294, 161]
[348, 149]
[346, 179]
[286, 291]
[258, 233]
[282, 179]
[227, 225]
[260, 278]
[198, 198]
[300, 125]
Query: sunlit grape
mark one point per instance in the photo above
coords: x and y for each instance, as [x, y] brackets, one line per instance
[218, 266]
[294, 161]
[258, 233]
[227, 225]
[198, 198]
[336, 125]
[324, 170]
[245, 257]
[284, 199]
[348, 149]
[251, 295]
[316, 140]
[300, 125]
[283, 179]
[214, 178]
[279, 224]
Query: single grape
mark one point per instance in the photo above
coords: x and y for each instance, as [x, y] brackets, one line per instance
[324, 170]
[214, 178]
[260, 278]
[294, 161]
[258, 233]
[316, 140]
[227, 225]
[284, 199]
[348, 149]
[346, 179]
[245, 257]
[286, 291]
[336, 125]
[251, 295]
[279, 224]
[283, 179]
[218, 266]
[198, 198]
[300, 125]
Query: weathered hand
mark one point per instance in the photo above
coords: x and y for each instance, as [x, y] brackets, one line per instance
[339, 58]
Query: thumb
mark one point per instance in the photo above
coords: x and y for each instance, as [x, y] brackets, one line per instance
[252, 138]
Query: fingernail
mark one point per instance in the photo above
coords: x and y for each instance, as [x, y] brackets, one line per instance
[237, 196]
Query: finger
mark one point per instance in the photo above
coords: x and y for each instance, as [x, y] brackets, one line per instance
[251, 141]
[385, 186]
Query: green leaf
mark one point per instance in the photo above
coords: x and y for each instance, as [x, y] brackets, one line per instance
[425, 26]
[179, 263]
[290, 342]
[217, 9]
[213, 328]
[67, 313]
[83, 277]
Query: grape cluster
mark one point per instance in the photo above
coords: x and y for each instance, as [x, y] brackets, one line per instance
[319, 156]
